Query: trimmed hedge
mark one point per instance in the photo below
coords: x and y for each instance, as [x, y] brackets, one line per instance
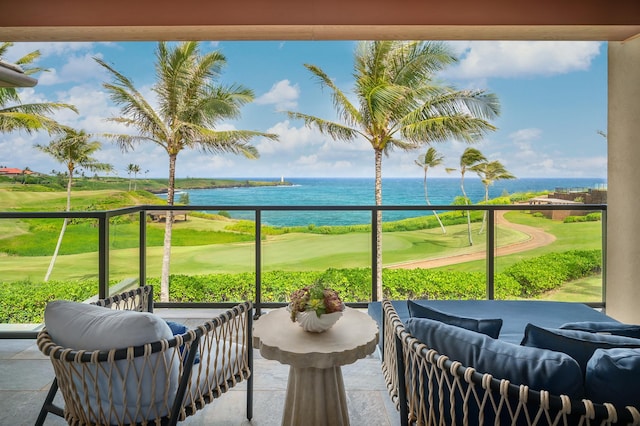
[24, 301]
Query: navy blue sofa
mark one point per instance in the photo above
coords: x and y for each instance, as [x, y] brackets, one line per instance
[432, 387]
[516, 314]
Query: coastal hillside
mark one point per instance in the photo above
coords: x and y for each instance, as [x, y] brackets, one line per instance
[39, 183]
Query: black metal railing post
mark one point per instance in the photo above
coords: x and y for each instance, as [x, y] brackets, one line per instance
[374, 256]
[604, 258]
[142, 249]
[258, 267]
[491, 251]
[103, 256]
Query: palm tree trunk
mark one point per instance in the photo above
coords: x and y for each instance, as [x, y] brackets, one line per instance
[466, 201]
[378, 230]
[426, 198]
[168, 228]
[62, 231]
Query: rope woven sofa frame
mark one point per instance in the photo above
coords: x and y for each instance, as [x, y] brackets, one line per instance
[222, 357]
[139, 299]
[407, 361]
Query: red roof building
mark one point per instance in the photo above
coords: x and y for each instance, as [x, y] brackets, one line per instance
[12, 171]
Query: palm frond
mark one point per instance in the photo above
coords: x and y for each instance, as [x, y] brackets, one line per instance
[346, 110]
[228, 141]
[29, 122]
[460, 127]
[337, 131]
[128, 142]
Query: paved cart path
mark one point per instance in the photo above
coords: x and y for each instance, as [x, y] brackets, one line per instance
[537, 238]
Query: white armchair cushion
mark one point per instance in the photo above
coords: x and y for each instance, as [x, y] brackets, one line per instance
[90, 327]
[115, 394]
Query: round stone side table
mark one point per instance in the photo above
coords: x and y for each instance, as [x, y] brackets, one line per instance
[315, 390]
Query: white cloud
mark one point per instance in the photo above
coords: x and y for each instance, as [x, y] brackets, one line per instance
[77, 69]
[282, 94]
[512, 59]
[290, 138]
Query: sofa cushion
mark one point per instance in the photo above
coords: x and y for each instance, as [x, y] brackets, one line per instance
[614, 328]
[540, 369]
[580, 345]
[613, 375]
[113, 393]
[490, 327]
[178, 328]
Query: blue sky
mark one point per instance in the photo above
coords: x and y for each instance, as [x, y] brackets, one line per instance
[553, 97]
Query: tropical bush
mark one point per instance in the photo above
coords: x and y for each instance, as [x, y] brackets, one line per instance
[591, 217]
[24, 301]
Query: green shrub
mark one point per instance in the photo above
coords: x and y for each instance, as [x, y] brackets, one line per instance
[24, 301]
[591, 217]
[550, 271]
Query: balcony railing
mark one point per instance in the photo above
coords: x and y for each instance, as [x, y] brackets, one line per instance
[103, 219]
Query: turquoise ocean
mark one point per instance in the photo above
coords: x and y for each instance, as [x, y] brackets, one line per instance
[360, 191]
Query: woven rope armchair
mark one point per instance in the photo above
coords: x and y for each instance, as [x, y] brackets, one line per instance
[428, 388]
[161, 382]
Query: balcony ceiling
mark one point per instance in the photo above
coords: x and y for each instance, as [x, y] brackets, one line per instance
[88, 20]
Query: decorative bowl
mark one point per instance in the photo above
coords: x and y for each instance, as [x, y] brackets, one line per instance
[310, 321]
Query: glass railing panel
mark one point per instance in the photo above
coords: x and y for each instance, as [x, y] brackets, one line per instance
[124, 252]
[299, 247]
[559, 256]
[427, 258]
[212, 257]
[29, 278]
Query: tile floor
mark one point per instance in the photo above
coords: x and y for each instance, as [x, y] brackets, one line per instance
[25, 377]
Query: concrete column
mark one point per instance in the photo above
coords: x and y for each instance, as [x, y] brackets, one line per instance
[623, 219]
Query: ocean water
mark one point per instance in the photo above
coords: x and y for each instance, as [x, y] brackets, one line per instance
[360, 191]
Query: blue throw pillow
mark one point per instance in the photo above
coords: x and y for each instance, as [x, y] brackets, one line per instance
[580, 345]
[490, 327]
[613, 375]
[177, 328]
[540, 369]
[614, 328]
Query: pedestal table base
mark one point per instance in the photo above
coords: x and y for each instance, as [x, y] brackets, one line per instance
[315, 397]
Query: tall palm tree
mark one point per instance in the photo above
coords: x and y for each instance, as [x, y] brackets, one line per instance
[135, 169]
[74, 149]
[489, 172]
[189, 105]
[15, 115]
[431, 159]
[400, 105]
[469, 158]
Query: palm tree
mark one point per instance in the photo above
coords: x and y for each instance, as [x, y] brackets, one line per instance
[431, 158]
[489, 172]
[135, 169]
[74, 149]
[468, 159]
[189, 105]
[400, 105]
[15, 115]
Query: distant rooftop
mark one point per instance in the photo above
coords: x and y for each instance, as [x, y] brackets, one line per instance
[545, 200]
